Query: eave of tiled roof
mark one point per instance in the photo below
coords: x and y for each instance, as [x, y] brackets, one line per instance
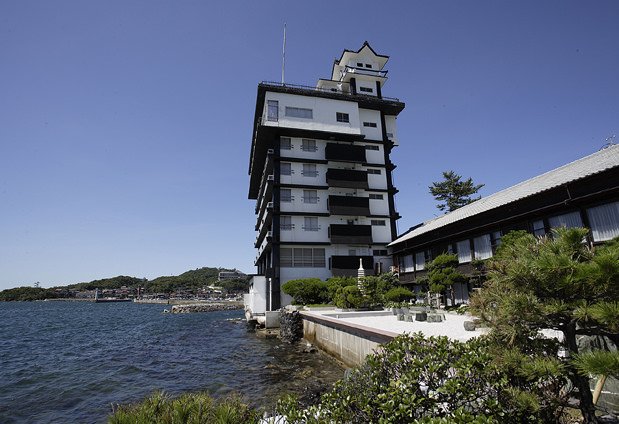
[600, 161]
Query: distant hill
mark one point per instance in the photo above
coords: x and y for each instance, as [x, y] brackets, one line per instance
[190, 280]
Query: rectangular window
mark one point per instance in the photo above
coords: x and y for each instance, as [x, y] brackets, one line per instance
[285, 223]
[302, 257]
[420, 261]
[389, 135]
[285, 168]
[285, 195]
[483, 247]
[310, 196]
[380, 252]
[378, 222]
[367, 65]
[285, 257]
[309, 170]
[368, 147]
[376, 196]
[360, 65]
[369, 124]
[374, 171]
[538, 228]
[311, 223]
[285, 143]
[308, 145]
[496, 239]
[299, 112]
[352, 252]
[406, 263]
[341, 117]
[272, 110]
[366, 89]
[569, 220]
[604, 221]
[464, 251]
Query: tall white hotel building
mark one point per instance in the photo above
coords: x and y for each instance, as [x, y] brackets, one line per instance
[320, 173]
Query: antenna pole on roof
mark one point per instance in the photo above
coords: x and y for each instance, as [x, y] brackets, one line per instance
[284, 55]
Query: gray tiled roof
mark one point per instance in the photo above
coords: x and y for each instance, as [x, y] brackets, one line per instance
[600, 161]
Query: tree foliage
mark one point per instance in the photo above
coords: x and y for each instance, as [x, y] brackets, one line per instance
[559, 283]
[454, 193]
[399, 294]
[413, 379]
[307, 291]
[442, 274]
[26, 294]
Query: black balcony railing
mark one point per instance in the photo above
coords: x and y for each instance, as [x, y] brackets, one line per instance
[348, 205]
[354, 234]
[347, 178]
[348, 265]
[323, 90]
[345, 153]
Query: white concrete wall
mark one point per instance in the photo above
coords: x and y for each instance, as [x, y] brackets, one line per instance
[366, 115]
[324, 113]
[297, 204]
[390, 126]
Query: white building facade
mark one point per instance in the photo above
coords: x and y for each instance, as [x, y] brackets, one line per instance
[320, 173]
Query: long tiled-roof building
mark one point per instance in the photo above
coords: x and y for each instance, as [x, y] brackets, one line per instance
[584, 193]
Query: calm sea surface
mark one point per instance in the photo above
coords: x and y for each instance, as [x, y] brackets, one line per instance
[67, 362]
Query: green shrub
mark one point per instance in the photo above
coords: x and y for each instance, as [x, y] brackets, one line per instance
[349, 297]
[336, 283]
[307, 290]
[189, 408]
[413, 379]
[399, 294]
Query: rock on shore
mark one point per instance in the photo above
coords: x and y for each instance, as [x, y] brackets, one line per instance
[202, 307]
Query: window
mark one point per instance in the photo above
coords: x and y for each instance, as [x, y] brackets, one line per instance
[285, 223]
[352, 252]
[302, 257]
[285, 143]
[464, 251]
[360, 65]
[311, 223]
[367, 65]
[538, 228]
[310, 196]
[604, 221]
[308, 145]
[299, 112]
[378, 222]
[374, 171]
[376, 196]
[420, 261]
[285, 168]
[496, 239]
[406, 263]
[309, 170]
[389, 135]
[368, 147]
[483, 247]
[366, 89]
[380, 252]
[369, 124]
[569, 220]
[341, 117]
[285, 195]
[272, 110]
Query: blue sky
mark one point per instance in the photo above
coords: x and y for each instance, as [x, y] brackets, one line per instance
[125, 126]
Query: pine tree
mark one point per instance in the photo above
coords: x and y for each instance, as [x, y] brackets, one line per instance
[454, 192]
[557, 283]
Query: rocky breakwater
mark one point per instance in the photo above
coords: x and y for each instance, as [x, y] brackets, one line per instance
[203, 307]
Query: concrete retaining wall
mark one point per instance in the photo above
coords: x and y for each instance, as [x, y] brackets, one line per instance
[347, 342]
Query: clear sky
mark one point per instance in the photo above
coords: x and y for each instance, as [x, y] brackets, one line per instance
[125, 125]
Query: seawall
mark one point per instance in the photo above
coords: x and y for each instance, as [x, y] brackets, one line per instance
[347, 342]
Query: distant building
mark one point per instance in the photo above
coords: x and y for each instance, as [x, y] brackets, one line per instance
[320, 172]
[584, 193]
[229, 275]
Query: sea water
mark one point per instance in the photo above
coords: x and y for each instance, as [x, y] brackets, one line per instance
[69, 362]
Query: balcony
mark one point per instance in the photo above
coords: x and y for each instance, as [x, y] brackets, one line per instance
[345, 153]
[347, 266]
[348, 205]
[347, 178]
[350, 234]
